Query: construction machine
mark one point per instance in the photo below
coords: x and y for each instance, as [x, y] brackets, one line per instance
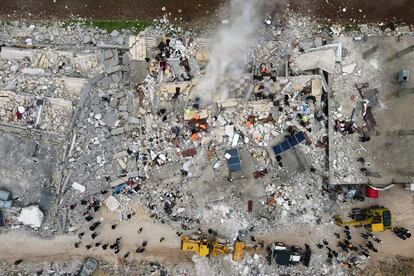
[374, 219]
[238, 250]
[240, 246]
[204, 247]
[199, 246]
[218, 248]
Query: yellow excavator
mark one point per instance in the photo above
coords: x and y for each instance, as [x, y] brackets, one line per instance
[238, 250]
[374, 218]
[199, 246]
[204, 247]
[213, 246]
[241, 246]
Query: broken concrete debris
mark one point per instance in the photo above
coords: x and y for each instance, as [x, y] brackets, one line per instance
[31, 216]
[132, 123]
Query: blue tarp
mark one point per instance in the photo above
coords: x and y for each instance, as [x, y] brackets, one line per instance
[289, 143]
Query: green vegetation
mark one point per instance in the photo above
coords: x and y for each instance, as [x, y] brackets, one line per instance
[110, 25]
[352, 27]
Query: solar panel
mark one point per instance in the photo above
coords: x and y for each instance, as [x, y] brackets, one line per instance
[300, 136]
[234, 161]
[289, 143]
[292, 141]
[277, 150]
[233, 152]
[285, 145]
[235, 167]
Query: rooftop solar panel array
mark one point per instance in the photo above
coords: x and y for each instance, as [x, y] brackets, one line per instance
[234, 161]
[289, 143]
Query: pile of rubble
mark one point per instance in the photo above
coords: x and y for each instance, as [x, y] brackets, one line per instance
[134, 127]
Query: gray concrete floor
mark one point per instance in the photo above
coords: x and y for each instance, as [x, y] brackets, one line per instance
[28, 178]
[389, 155]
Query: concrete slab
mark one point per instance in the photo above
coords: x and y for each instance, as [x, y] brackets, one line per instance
[27, 177]
[388, 155]
[16, 53]
[323, 59]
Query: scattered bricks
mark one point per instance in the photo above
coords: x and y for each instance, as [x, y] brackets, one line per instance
[133, 174]
[113, 69]
[128, 128]
[118, 131]
[134, 120]
[118, 95]
[260, 174]
[120, 154]
[121, 164]
[189, 152]
[118, 181]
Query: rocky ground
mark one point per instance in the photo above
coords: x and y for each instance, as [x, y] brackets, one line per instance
[138, 140]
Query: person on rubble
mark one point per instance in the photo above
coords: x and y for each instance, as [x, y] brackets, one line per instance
[264, 71]
[364, 138]
[94, 226]
[140, 250]
[344, 127]
[184, 63]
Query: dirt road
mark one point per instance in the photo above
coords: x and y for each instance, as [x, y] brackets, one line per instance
[189, 10]
[20, 244]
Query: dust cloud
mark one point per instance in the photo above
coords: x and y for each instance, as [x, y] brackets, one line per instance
[229, 50]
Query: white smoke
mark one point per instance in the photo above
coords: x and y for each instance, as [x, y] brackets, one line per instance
[229, 49]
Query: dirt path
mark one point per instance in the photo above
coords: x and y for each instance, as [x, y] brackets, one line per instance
[107, 9]
[21, 244]
[190, 10]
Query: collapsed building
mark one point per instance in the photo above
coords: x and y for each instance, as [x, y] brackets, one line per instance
[120, 118]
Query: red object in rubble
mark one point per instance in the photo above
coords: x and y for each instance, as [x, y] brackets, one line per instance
[372, 193]
[249, 206]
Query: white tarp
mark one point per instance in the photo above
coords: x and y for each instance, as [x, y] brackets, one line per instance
[31, 216]
[112, 203]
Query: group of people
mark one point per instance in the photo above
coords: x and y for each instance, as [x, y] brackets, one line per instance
[346, 246]
[349, 127]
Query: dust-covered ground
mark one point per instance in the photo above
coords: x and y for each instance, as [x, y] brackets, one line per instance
[192, 10]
